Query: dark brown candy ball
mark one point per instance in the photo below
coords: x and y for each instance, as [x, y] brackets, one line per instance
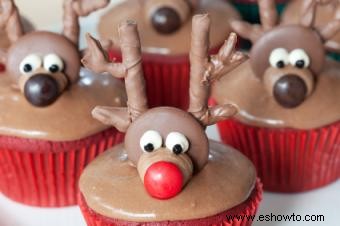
[290, 91]
[166, 20]
[41, 90]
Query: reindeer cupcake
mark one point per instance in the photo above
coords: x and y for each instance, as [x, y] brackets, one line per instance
[165, 33]
[167, 172]
[288, 95]
[47, 133]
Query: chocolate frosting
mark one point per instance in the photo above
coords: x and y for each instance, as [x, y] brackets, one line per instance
[258, 107]
[69, 118]
[112, 188]
[173, 44]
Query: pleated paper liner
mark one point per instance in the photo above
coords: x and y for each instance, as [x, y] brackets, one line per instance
[166, 77]
[288, 160]
[45, 173]
[246, 209]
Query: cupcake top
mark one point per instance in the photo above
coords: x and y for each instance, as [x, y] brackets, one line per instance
[166, 25]
[166, 162]
[44, 81]
[112, 187]
[325, 12]
[288, 82]
[68, 118]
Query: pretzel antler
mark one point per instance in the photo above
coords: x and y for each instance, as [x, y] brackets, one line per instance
[131, 69]
[10, 20]
[327, 31]
[204, 70]
[269, 19]
[73, 9]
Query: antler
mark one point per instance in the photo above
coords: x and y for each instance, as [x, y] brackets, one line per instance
[131, 69]
[330, 29]
[73, 9]
[269, 19]
[10, 19]
[204, 70]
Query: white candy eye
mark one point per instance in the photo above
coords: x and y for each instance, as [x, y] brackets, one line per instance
[30, 64]
[299, 58]
[150, 141]
[279, 58]
[53, 63]
[177, 143]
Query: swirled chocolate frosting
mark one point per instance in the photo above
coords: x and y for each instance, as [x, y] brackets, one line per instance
[112, 187]
[257, 107]
[69, 118]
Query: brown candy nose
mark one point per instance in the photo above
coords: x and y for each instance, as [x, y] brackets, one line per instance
[166, 20]
[41, 90]
[290, 91]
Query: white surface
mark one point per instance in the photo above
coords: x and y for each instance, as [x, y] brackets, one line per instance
[324, 201]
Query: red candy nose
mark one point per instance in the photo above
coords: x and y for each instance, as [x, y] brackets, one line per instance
[163, 180]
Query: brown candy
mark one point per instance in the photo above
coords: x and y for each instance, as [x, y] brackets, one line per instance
[166, 20]
[41, 90]
[290, 91]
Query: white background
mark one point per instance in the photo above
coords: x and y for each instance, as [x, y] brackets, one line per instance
[324, 201]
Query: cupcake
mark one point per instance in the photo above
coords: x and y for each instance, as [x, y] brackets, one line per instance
[167, 172]
[325, 13]
[165, 33]
[47, 134]
[249, 9]
[288, 97]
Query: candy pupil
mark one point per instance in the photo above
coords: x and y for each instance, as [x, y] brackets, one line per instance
[300, 63]
[149, 147]
[280, 64]
[54, 68]
[177, 149]
[27, 68]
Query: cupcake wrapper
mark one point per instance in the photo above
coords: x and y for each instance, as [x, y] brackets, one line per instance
[247, 208]
[46, 173]
[288, 160]
[166, 77]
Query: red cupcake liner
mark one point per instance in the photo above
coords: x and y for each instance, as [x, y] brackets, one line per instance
[247, 208]
[45, 173]
[167, 78]
[288, 160]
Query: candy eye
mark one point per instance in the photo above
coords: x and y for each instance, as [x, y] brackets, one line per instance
[279, 58]
[30, 64]
[150, 141]
[177, 143]
[53, 63]
[299, 58]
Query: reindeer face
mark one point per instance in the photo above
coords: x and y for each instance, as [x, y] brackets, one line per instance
[288, 59]
[168, 16]
[43, 64]
[168, 146]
